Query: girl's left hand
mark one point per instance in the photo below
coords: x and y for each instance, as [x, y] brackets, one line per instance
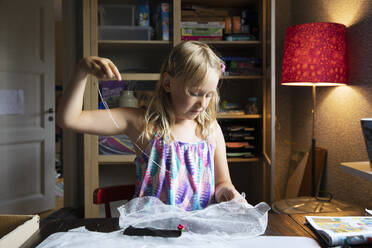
[226, 193]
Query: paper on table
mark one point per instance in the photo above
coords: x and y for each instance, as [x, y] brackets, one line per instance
[11, 102]
[81, 237]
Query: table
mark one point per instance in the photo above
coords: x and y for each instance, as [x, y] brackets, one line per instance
[360, 169]
[278, 225]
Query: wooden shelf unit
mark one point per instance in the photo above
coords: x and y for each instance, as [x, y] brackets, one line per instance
[116, 159]
[93, 46]
[129, 159]
[242, 160]
[140, 76]
[156, 76]
[239, 116]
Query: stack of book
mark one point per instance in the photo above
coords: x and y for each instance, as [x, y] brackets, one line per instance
[202, 23]
[205, 23]
[197, 13]
[230, 108]
[202, 31]
[241, 141]
[242, 66]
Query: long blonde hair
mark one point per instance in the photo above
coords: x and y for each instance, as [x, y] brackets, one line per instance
[188, 61]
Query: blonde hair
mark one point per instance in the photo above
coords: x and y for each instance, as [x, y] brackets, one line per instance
[189, 62]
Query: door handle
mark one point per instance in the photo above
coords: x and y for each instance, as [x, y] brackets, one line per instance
[50, 111]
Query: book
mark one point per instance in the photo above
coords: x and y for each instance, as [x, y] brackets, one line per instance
[240, 154]
[231, 112]
[197, 10]
[350, 230]
[195, 24]
[203, 18]
[232, 145]
[201, 38]
[165, 20]
[242, 66]
[144, 13]
[201, 34]
[194, 31]
[240, 37]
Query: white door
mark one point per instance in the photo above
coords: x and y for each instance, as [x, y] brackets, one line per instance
[27, 142]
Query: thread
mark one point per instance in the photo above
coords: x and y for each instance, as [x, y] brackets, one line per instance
[107, 108]
[117, 126]
[136, 145]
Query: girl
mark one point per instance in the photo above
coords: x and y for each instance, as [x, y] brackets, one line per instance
[181, 155]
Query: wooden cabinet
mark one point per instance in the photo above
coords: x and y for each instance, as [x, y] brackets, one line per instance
[148, 55]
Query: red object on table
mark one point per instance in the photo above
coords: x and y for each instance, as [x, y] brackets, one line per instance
[180, 227]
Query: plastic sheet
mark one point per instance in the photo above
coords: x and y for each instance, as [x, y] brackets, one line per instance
[227, 224]
[232, 217]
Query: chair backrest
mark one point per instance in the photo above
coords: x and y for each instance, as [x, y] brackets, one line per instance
[106, 195]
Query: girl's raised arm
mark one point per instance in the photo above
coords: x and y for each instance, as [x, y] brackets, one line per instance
[71, 114]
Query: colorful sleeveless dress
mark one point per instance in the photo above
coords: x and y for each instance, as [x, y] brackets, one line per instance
[178, 173]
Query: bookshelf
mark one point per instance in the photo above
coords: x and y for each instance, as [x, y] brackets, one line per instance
[116, 159]
[148, 54]
[237, 116]
[141, 76]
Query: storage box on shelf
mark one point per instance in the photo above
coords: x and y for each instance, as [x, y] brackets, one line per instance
[117, 22]
[117, 14]
[140, 60]
[143, 20]
[15, 230]
[124, 33]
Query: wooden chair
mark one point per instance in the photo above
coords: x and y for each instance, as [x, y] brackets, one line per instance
[106, 195]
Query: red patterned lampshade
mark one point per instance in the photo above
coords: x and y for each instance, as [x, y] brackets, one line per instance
[315, 54]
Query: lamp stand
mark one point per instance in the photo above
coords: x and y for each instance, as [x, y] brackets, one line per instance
[313, 143]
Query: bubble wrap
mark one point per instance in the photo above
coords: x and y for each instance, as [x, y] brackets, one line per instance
[232, 217]
[227, 224]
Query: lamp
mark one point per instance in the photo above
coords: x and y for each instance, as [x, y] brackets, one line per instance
[315, 55]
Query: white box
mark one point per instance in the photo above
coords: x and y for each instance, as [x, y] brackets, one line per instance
[15, 230]
[117, 14]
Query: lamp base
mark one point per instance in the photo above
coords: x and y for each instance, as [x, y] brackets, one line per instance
[306, 204]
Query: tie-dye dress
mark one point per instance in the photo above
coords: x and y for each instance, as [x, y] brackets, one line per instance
[178, 173]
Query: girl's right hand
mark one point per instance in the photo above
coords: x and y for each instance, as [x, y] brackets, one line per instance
[101, 68]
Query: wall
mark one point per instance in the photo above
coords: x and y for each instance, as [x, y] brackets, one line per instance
[283, 101]
[72, 165]
[339, 109]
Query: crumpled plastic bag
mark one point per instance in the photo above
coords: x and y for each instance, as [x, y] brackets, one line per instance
[231, 217]
[227, 224]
